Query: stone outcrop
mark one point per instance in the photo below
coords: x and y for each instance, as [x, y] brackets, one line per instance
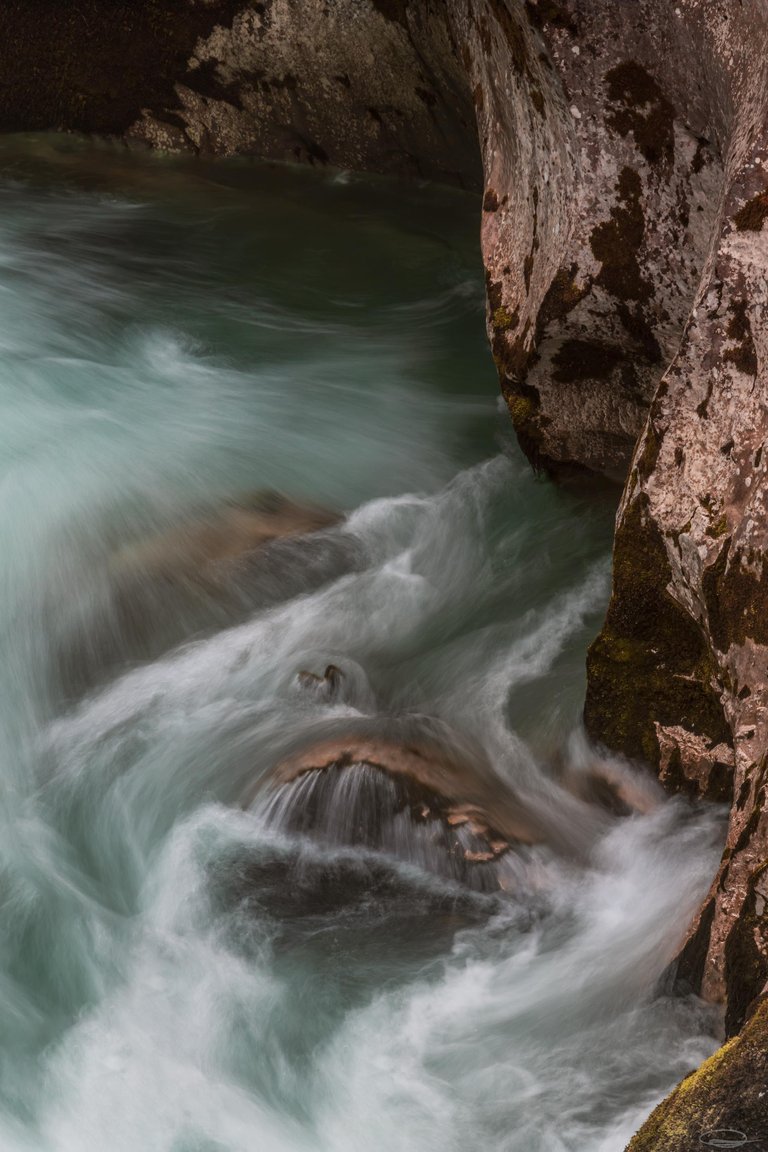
[721, 1105]
[602, 181]
[353, 83]
[679, 675]
[624, 145]
[413, 789]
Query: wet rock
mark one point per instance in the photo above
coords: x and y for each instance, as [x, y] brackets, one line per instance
[412, 800]
[207, 574]
[678, 676]
[325, 687]
[418, 792]
[205, 550]
[722, 1104]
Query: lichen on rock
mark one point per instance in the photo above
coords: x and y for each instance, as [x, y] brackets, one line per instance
[726, 1094]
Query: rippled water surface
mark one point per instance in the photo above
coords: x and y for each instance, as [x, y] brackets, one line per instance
[180, 969]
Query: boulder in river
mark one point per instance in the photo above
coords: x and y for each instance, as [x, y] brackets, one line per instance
[204, 574]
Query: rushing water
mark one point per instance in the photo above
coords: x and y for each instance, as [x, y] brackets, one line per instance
[183, 973]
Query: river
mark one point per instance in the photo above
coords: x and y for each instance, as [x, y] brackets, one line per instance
[179, 970]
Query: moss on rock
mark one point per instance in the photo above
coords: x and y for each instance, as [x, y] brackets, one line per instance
[617, 241]
[746, 948]
[753, 215]
[728, 1092]
[585, 359]
[650, 664]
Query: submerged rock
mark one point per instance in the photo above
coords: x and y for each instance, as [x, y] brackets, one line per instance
[206, 574]
[373, 795]
[417, 791]
[206, 550]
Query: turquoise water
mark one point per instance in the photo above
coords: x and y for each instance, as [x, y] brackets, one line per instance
[176, 340]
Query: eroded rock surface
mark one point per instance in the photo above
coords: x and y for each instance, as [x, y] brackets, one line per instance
[603, 172]
[419, 791]
[679, 675]
[360, 84]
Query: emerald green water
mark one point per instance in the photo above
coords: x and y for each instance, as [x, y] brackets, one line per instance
[175, 337]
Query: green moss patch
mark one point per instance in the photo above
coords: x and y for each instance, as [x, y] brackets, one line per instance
[651, 663]
[746, 950]
[728, 1091]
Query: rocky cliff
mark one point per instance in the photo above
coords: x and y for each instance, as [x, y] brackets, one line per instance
[354, 83]
[622, 148]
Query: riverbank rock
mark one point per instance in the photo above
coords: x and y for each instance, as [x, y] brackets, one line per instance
[362, 84]
[721, 1105]
[602, 176]
[679, 674]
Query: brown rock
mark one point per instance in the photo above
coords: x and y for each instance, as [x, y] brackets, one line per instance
[206, 573]
[461, 793]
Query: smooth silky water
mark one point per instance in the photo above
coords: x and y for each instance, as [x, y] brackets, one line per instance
[177, 972]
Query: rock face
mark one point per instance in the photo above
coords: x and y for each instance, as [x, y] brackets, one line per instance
[679, 675]
[602, 182]
[353, 83]
[412, 801]
[624, 145]
[722, 1105]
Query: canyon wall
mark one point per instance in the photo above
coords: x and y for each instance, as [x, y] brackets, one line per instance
[353, 83]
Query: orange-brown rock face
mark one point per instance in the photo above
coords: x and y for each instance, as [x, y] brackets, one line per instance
[679, 674]
[603, 169]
